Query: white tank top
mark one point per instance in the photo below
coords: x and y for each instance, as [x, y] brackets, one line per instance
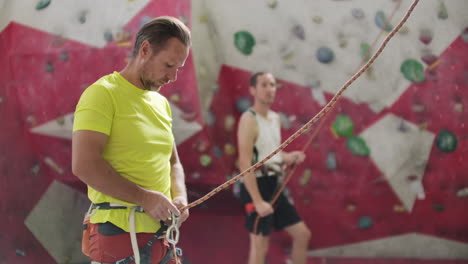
[268, 139]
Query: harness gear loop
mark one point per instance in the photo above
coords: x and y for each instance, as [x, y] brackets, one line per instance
[133, 239]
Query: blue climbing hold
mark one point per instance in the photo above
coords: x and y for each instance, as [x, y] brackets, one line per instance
[243, 103]
[144, 20]
[381, 21]
[464, 35]
[108, 36]
[285, 121]
[218, 152]
[325, 55]
[298, 31]
[331, 161]
[357, 13]
[210, 118]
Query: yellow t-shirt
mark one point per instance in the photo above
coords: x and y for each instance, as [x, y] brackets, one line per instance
[139, 126]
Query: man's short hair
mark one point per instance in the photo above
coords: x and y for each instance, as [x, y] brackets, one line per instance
[159, 30]
[254, 77]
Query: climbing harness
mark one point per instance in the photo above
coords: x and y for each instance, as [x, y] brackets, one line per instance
[142, 255]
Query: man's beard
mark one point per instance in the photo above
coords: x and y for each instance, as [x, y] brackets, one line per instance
[267, 102]
[150, 85]
[147, 83]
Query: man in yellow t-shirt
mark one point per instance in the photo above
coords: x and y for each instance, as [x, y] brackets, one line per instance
[123, 149]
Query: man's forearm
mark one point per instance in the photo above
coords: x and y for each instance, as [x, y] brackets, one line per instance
[178, 188]
[250, 182]
[98, 174]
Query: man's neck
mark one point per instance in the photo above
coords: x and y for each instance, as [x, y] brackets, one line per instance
[131, 75]
[261, 109]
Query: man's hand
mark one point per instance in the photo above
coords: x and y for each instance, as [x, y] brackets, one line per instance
[180, 202]
[293, 157]
[158, 206]
[263, 208]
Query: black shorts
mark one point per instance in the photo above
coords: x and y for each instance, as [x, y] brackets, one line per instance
[284, 214]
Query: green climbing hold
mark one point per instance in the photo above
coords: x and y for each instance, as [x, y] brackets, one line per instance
[446, 141]
[343, 126]
[49, 67]
[413, 70]
[60, 121]
[205, 160]
[442, 13]
[244, 42]
[365, 222]
[64, 56]
[20, 252]
[365, 51]
[272, 4]
[357, 146]
[42, 4]
[438, 207]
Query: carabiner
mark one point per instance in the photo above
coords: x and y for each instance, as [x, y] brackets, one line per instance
[172, 233]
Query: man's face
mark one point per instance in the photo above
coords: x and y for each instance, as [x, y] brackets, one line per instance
[161, 69]
[265, 90]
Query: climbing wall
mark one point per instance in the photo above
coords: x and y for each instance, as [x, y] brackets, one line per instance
[386, 173]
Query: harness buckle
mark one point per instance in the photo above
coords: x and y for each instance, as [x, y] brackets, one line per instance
[123, 261]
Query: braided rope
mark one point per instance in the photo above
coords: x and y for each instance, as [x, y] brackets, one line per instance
[312, 121]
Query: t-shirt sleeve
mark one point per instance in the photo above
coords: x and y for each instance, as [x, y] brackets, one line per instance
[95, 110]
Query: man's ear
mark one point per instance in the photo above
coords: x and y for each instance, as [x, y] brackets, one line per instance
[252, 90]
[145, 50]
